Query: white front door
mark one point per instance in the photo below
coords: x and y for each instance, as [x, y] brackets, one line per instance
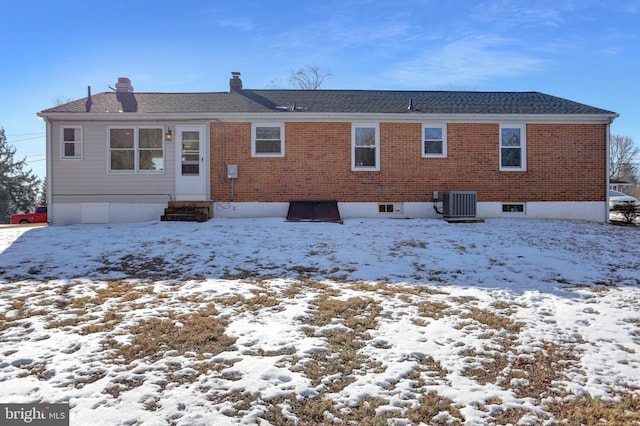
[191, 173]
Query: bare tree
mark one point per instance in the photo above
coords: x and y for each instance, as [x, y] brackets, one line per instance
[61, 100]
[623, 158]
[275, 83]
[311, 77]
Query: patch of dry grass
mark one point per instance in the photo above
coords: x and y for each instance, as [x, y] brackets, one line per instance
[199, 332]
[123, 384]
[435, 309]
[340, 360]
[8, 322]
[635, 333]
[319, 411]
[86, 310]
[139, 266]
[242, 274]
[358, 314]
[84, 377]
[37, 369]
[586, 410]
[126, 291]
[388, 289]
[493, 364]
[492, 319]
[537, 375]
[513, 415]
[240, 401]
[108, 323]
[432, 404]
[19, 310]
[261, 299]
[319, 286]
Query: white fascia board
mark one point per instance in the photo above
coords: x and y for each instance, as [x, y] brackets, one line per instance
[337, 117]
[461, 118]
[128, 116]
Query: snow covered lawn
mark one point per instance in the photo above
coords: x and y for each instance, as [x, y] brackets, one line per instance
[261, 321]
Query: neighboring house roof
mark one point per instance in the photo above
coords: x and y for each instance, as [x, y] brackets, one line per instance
[330, 101]
[618, 182]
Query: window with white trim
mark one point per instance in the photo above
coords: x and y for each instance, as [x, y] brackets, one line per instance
[136, 149]
[513, 147]
[267, 140]
[71, 142]
[434, 140]
[365, 146]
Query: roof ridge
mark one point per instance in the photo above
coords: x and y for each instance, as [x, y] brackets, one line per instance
[338, 101]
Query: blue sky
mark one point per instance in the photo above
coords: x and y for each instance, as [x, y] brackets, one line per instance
[583, 50]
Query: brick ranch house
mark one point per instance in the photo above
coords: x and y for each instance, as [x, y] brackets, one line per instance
[122, 156]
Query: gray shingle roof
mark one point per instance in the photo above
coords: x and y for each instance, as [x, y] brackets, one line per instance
[329, 101]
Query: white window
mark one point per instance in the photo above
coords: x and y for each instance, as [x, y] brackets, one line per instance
[267, 140]
[136, 150]
[434, 140]
[513, 147]
[71, 142]
[365, 145]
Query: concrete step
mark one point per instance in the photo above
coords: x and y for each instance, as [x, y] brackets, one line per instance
[183, 217]
[193, 211]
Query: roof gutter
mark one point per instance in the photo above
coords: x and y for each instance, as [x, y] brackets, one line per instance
[345, 117]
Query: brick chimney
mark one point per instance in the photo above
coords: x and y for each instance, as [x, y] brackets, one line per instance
[235, 84]
[124, 85]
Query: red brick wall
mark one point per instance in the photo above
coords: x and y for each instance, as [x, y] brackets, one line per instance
[565, 162]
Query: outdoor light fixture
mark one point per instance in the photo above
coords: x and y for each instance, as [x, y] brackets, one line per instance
[169, 135]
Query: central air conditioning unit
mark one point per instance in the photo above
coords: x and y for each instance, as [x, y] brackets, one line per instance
[459, 204]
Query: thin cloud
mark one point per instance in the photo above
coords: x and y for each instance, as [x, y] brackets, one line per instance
[465, 62]
[242, 24]
[342, 33]
[516, 14]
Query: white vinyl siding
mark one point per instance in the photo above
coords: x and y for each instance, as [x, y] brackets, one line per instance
[89, 180]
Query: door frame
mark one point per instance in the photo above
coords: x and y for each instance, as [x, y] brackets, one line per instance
[192, 188]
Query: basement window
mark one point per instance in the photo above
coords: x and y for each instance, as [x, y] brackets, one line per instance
[391, 209]
[385, 208]
[513, 208]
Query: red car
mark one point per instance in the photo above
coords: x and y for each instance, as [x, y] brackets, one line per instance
[39, 215]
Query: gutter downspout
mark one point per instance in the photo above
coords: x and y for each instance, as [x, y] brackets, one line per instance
[608, 172]
[48, 174]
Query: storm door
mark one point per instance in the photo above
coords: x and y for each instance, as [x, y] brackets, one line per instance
[190, 163]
